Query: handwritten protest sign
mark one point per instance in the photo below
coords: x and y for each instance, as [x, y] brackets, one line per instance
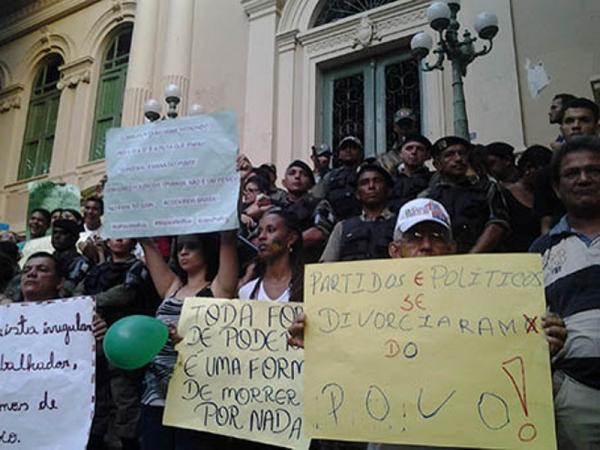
[444, 351]
[46, 374]
[172, 177]
[236, 374]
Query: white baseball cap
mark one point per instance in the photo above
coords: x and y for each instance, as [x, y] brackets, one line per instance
[421, 210]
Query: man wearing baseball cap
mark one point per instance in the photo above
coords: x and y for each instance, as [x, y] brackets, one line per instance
[338, 186]
[411, 177]
[405, 124]
[321, 159]
[477, 207]
[424, 228]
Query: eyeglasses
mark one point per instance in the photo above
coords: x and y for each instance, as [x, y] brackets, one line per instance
[417, 237]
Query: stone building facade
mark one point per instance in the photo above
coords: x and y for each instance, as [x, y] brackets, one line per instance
[296, 72]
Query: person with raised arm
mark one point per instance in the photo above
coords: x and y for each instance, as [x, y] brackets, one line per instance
[205, 266]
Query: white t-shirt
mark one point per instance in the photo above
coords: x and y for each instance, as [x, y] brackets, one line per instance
[246, 291]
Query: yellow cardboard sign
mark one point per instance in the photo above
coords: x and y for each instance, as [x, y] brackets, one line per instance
[444, 351]
[236, 375]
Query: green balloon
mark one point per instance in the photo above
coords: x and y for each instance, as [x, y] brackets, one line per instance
[132, 342]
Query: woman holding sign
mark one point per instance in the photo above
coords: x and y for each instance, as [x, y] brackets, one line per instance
[279, 274]
[197, 273]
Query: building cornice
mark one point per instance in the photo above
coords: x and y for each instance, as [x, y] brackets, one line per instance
[287, 41]
[255, 9]
[36, 15]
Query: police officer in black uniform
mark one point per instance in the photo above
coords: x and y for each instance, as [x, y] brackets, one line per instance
[365, 236]
[412, 176]
[315, 217]
[338, 186]
[475, 203]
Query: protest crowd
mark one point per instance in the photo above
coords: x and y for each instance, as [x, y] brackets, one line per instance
[419, 199]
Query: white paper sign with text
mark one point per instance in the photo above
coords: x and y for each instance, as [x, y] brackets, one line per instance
[47, 354]
[172, 177]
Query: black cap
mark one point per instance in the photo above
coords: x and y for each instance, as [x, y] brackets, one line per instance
[418, 138]
[302, 165]
[405, 114]
[270, 167]
[372, 167]
[501, 149]
[445, 142]
[321, 150]
[350, 141]
[69, 225]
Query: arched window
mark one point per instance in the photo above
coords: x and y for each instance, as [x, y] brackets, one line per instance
[41, 120]
[333, 10]
[111, 87]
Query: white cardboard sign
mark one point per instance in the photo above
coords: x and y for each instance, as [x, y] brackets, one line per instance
[47, 354]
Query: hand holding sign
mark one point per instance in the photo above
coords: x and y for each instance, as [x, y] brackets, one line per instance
[433, 340]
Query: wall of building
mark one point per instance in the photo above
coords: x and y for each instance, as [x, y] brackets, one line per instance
[78, 31]
[563, 36]
[264, 60]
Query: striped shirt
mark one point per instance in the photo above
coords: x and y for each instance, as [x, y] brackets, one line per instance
[572, 279]
[158, 372]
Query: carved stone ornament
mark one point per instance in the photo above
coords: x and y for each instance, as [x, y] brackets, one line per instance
[75, 72]
[10, 98]
[10, 103]
[73, 80]
[117, 7]
[366, 32]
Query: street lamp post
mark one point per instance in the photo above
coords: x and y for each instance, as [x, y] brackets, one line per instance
[442, 16]
[152, 109]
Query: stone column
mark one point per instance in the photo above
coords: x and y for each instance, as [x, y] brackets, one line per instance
[261, 70]
[12, 114]
[140, 71]
[177, 53]
[284, 134]
[72, 147]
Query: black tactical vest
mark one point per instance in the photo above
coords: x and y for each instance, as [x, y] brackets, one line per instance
[408, 188]
[366, 240]
[468, 207]
[341, 193]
